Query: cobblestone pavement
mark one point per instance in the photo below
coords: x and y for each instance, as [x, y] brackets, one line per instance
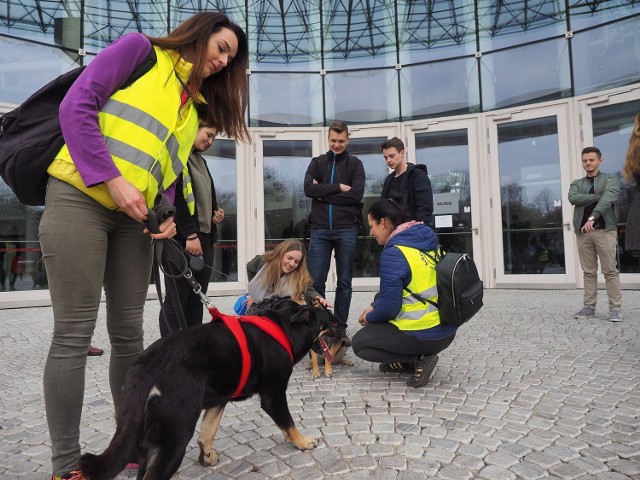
[524, 392]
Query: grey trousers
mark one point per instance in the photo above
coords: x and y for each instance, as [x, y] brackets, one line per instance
[600, 244]
[87, 247]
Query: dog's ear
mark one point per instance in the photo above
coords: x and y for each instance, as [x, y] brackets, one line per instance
[302, 315]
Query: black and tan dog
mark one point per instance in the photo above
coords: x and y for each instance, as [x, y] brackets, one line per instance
[199, 368]
[333, 351]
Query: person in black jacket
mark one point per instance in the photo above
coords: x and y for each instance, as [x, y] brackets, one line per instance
[408, 184]
[335, 182]
[196, 218]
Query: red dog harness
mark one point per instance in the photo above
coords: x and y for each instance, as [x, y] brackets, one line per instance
[268, 326]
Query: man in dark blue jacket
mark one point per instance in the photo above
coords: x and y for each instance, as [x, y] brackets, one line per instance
[408, 184]
[335, 182]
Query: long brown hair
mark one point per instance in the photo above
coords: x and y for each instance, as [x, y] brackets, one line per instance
[299, 279]
[632, 159]
[226, 92]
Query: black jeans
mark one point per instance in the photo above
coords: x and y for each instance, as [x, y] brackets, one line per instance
[187, 300]
[385, 343]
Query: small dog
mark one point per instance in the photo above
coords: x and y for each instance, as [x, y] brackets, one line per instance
[333, 351]
[200, 368]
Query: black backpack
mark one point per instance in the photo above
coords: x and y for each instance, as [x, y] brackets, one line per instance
[30, 135]
[460, 289]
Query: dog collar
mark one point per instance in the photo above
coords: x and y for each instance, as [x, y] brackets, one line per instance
[266, 325]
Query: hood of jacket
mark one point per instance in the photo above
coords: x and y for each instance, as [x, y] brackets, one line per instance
[417, 235]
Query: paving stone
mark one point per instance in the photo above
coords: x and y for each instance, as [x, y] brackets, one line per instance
[493, 472]
[499, 407]
[528, 471]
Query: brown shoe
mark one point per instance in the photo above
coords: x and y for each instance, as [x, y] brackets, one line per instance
[94, 351]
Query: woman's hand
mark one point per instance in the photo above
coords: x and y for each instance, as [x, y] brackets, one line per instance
[127, 197]
[167, 230]
[321, 301]
[218, 216]
[194, 247]
[363, 316]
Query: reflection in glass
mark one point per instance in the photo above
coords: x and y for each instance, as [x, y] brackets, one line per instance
[285, 99]
[612, 127]
[587, 13]
[26, 67]
[365, 96]
[20, 256]
[425, 32]
[531, 197]
[286, 207]
[106, 21]
[542, 75]
[359, 34]
[446, 155]
[440, 89]
[221, 160]
[276, 46]
[606, 57]
[369, 152]
[504, 24]
[183, 9]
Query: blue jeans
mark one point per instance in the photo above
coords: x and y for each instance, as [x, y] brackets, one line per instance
[322, 242]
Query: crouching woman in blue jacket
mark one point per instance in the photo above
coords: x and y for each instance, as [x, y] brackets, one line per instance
[400, 331]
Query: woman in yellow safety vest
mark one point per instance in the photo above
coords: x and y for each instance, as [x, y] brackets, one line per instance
[400, 331]
[129, 123]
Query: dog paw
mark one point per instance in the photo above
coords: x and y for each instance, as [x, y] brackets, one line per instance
[316, 375]
[346, 362]
[307, 443]
[208, 459]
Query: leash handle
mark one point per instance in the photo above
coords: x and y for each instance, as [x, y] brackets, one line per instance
[162, 209]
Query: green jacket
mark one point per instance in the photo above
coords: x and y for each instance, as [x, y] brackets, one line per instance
[606, 189]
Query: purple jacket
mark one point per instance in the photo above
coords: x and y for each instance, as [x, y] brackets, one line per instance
[79, 109]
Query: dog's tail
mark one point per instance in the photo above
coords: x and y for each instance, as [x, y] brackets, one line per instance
[130, 417]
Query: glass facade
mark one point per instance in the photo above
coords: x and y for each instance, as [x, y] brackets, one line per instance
[395, 64]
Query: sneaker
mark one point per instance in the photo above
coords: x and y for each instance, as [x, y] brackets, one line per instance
[94, 351]
[586, 312]
[615, 316]
[423, 371]
[397, 367]
[75, 475]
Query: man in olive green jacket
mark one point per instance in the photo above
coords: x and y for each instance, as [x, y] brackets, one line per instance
[595, 219]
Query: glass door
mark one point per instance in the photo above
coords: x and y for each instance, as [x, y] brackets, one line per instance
[221, 159]
[449, 149]
[529, 160]
[365, 143]
[280, 207]
[607, 122]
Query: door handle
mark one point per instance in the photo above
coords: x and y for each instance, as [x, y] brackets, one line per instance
[568, 225]
[475, 230]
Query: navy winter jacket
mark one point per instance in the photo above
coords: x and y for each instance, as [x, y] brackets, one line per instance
[395, 275]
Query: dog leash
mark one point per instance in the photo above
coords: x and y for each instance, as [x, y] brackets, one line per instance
[170, 259]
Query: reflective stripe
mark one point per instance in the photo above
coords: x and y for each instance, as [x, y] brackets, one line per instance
[426, 294]
[156, 172]
[415, 314]
[139, 117]
[129, 153]
[172, 147]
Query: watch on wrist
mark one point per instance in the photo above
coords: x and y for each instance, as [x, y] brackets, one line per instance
[592, 218]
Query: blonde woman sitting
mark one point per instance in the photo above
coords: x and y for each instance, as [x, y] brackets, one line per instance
[281, 273]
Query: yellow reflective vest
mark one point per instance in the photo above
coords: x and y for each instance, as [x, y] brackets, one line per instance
[147, 133]
[415, 315]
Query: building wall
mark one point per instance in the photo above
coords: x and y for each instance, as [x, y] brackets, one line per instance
[454, 79]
